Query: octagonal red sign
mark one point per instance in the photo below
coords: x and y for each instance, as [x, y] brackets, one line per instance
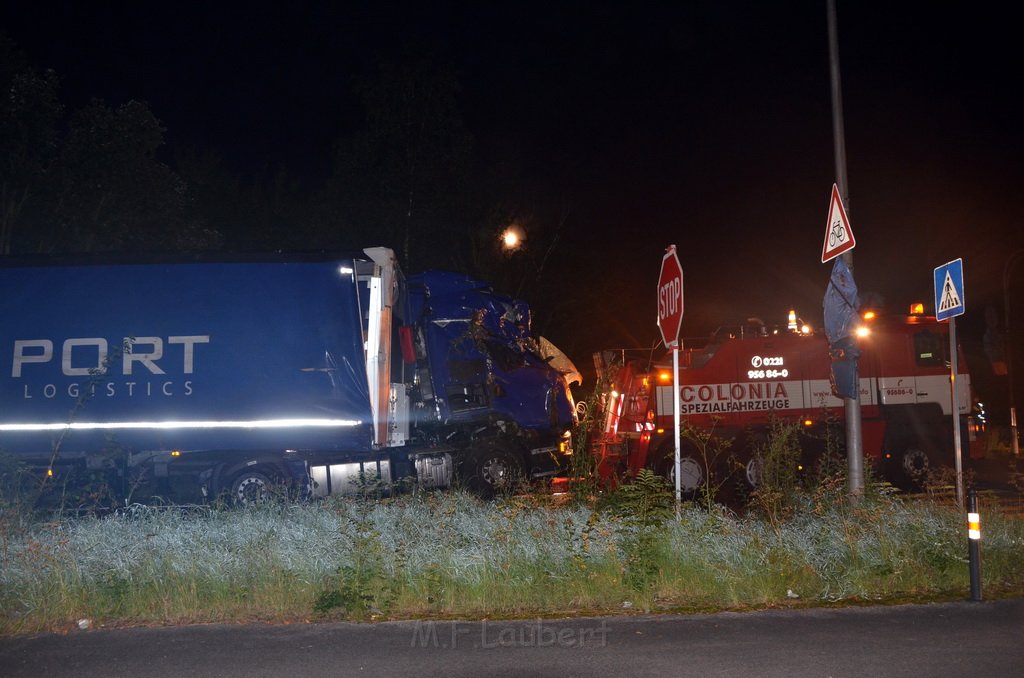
[670, 298]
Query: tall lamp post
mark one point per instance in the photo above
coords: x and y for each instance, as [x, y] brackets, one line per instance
[1009, 346]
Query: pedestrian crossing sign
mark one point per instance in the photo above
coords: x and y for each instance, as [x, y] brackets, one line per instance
[949, 290]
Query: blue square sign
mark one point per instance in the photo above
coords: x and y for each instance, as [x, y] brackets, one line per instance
[949, 290]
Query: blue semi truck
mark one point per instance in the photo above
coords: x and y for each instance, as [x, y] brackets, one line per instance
[192, 379]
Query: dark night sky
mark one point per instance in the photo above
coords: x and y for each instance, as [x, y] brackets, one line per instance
[707, 125]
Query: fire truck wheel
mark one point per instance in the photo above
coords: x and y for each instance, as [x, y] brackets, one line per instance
[492, 470]
[250, 487]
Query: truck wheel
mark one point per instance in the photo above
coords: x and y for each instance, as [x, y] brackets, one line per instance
[752, 473]
[250, 487]
[691, 473]
[492, 470]
[909, 467]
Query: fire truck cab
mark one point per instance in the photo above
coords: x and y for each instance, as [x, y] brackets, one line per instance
[748, 374]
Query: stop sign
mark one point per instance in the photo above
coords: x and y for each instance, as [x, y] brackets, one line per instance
[670, 298]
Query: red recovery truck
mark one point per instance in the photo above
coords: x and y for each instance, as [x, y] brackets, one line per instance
[748, 374]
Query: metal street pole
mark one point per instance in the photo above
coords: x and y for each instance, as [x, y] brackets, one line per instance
[854, 443]
[1008, 348]
[675, 435]
[955, 406]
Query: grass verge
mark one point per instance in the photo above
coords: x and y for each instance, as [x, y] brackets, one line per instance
[451, 555]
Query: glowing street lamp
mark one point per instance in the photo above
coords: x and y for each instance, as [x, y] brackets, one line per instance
[512, 238]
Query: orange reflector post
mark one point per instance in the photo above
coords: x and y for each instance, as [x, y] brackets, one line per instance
[974, 544]
[973, 526]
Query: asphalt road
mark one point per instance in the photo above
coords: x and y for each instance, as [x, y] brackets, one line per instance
[948, 640]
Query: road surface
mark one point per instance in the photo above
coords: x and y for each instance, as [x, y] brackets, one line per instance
[948, 640]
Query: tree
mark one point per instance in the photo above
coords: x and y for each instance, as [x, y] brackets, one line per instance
[90, 182]
[254, 213]
[29, 112]
[402, 180]
[111, 193]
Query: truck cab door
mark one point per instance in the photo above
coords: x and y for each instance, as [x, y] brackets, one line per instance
[893, 356]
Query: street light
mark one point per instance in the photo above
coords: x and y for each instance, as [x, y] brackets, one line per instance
[512, 238]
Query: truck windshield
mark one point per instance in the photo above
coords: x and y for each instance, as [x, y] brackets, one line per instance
[504, 356]
[930, 349]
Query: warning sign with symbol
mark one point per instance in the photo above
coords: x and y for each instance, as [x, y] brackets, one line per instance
[949, 290]
[838, 234]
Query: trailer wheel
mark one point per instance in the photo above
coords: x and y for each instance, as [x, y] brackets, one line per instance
[250, 487]
[492, 470]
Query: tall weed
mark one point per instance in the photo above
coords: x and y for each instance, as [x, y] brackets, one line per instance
[641, 510]
[777, 458]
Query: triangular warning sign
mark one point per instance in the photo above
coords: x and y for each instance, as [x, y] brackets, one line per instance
[838, 234]
[950, 298]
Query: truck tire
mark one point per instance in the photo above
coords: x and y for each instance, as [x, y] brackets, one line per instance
[250, 487]
[492, 470]
[691, 472]
[752, 473]
[909, 466]
[735, 478]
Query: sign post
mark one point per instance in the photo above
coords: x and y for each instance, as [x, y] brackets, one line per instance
[670, 319]
[838, 242]
[949, 303]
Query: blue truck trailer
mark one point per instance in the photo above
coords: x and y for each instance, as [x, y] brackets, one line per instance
[198, 378]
